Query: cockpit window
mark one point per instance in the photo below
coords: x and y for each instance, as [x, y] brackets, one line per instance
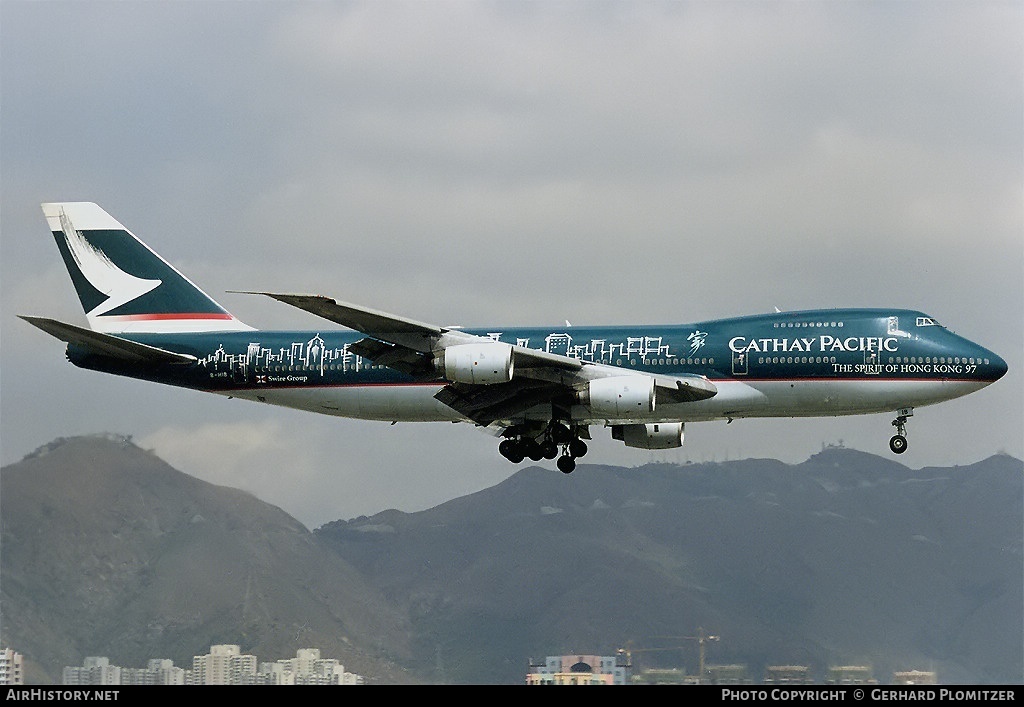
[927, 321]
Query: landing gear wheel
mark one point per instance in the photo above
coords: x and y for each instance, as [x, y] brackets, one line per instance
[898, 444]
[566, 464]
[533, 450]
[511, 450]
[577, 448]
[549, 449]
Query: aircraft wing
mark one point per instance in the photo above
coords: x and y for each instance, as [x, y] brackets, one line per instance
[409, 346]
[415, 335]
[404, 332]
[107, 344]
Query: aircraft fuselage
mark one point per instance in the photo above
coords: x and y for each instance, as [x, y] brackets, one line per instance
[790, 364]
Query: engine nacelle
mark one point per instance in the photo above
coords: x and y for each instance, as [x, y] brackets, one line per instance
[619, 396]
[653, 435]
[479, 364]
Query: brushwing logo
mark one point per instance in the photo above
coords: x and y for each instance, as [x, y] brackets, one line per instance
[101, 272]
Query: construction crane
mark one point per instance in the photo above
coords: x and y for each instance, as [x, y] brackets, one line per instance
[701, 638]
[628, 651]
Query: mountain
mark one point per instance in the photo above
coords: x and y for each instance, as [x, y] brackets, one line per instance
[847, 558]
[107, 550]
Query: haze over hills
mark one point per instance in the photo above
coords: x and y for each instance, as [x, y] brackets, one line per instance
[848, 558]
[109, 551]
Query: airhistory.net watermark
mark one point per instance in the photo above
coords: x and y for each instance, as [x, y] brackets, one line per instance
[33, 694]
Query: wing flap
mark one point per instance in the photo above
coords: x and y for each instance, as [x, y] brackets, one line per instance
[399, 358]
[107, 344]
[484, 404]
[534, 358]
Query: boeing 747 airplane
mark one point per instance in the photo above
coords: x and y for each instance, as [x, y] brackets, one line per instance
[540, 389]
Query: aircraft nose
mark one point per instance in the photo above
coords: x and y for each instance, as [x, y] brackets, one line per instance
[997, 367]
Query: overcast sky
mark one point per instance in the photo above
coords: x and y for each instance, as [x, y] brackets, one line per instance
[511, 163]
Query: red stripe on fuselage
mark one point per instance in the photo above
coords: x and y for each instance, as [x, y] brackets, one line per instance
[164, 316]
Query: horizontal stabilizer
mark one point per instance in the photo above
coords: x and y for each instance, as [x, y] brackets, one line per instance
[107, 344]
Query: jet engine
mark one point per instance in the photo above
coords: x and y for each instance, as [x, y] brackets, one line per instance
[619, 396]
[653, 435]
[479, 364]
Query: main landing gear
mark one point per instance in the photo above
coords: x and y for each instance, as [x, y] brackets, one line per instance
[520, 444]
[898, 442]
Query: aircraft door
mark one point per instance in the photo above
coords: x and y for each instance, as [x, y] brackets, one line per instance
[872, 363]
[739, 363]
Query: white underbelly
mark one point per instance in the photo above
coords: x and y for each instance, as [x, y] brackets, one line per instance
[395, 403]
[804, 398]
[735, 399]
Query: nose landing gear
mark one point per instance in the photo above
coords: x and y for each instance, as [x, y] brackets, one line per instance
[898, 442]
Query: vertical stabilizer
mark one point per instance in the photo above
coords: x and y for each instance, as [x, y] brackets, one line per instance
[122, 284]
